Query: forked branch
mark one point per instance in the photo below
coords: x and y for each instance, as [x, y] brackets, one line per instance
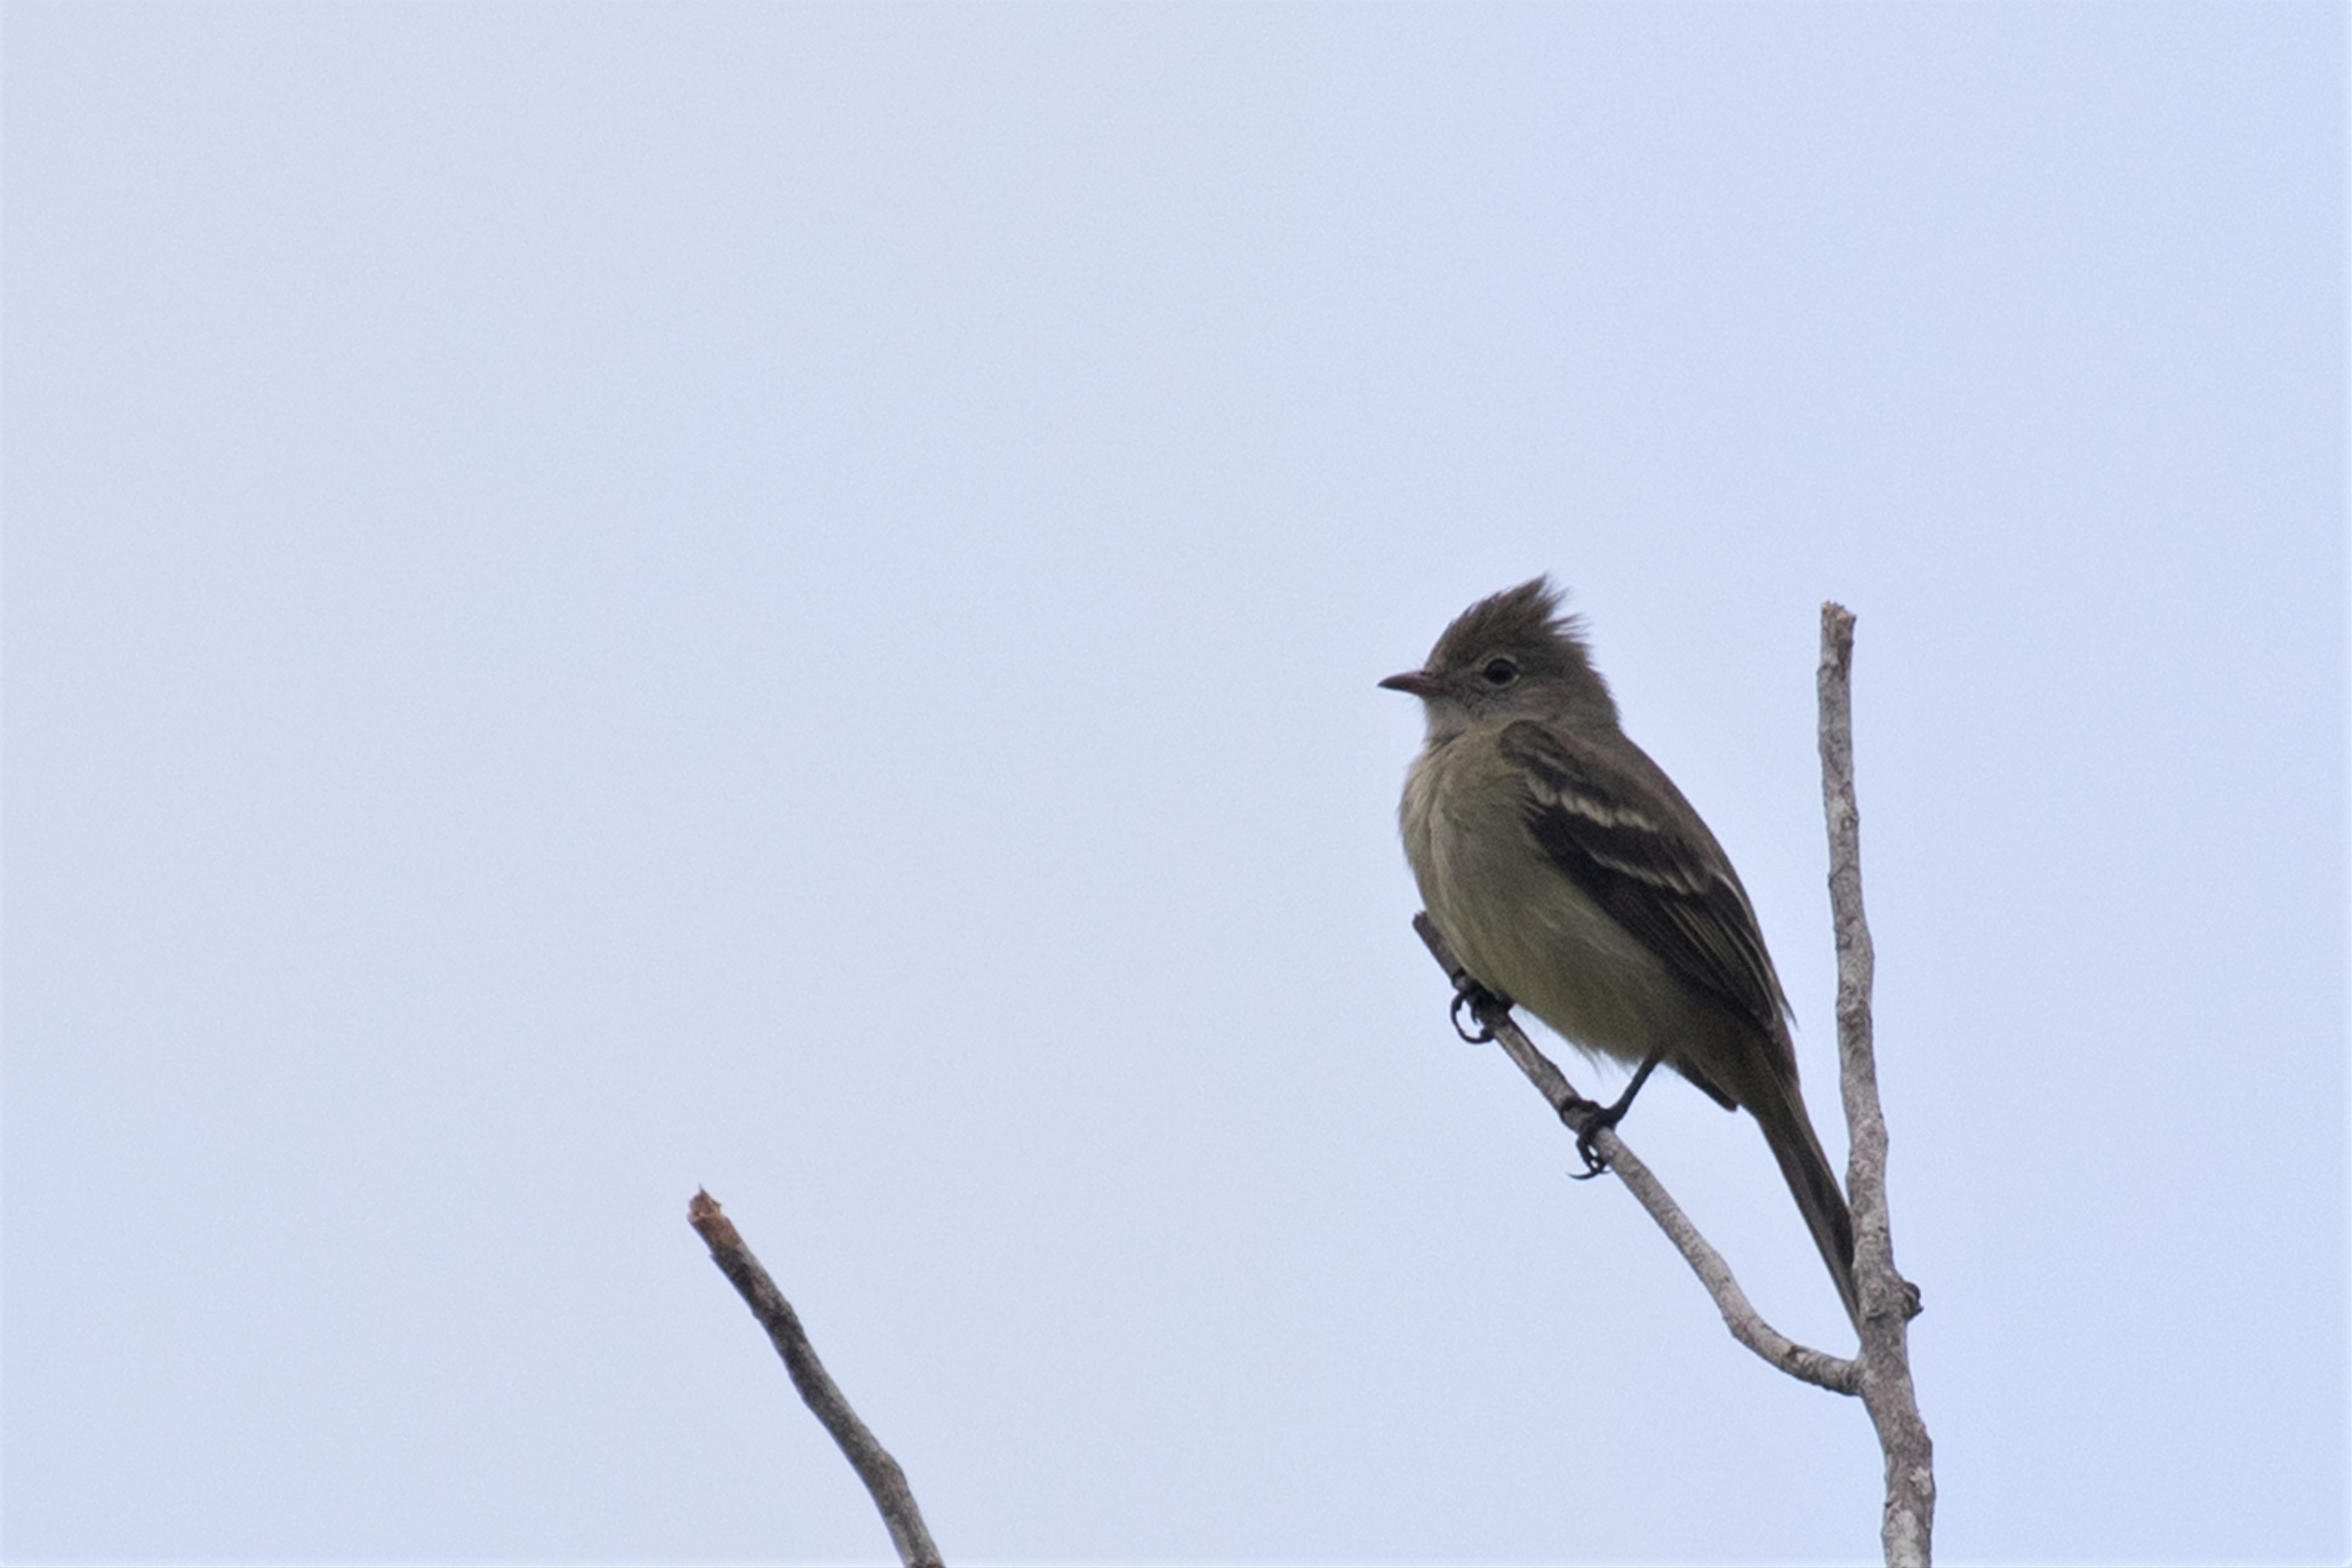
[1881, 1373]
[1739, 1315]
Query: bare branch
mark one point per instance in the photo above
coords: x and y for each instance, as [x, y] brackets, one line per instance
[1747, 1325]
[875, 1467]
[1888, 1301]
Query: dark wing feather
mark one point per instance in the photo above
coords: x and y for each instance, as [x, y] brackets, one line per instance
[1665, 880]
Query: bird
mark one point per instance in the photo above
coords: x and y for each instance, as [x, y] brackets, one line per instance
[1570, 876]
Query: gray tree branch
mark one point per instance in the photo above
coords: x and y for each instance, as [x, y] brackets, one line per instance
[1888, 1301]
[883, 1477]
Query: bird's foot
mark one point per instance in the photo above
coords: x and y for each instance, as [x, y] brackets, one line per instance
[1598, 1119]
[1480, 1001]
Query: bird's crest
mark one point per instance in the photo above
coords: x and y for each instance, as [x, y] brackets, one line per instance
[1526, 622]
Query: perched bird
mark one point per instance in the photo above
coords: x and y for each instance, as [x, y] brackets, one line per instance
[1569, 876]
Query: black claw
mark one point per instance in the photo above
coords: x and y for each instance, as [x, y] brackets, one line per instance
[1481, 1002]
[1596, 1117]
[1599, 1116]
[1473, 996]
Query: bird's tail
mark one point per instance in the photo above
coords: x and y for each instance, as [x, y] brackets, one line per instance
[1780, 1111]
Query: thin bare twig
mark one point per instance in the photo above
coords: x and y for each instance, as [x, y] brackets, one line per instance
[1747, 1325]
[876, 1469]
[1888, 1301]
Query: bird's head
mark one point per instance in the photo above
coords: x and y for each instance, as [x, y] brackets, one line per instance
[1514, 655]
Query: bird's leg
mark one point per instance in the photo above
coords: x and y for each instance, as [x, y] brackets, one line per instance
[1599, 1116]
[1468, 993]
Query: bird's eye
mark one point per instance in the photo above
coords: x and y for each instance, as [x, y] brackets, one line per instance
[1500, 672]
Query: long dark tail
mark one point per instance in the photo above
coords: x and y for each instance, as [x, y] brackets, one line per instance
[1780, 1111]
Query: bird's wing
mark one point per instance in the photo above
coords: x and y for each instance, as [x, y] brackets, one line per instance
[1669, 884]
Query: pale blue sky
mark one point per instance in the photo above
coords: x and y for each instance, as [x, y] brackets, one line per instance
[607, 598]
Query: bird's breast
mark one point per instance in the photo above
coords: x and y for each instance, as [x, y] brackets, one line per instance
[1516, 919]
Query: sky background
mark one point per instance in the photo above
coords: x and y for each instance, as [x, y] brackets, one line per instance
[607, 599]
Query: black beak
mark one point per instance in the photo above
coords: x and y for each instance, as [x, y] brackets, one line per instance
[1417, 682]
